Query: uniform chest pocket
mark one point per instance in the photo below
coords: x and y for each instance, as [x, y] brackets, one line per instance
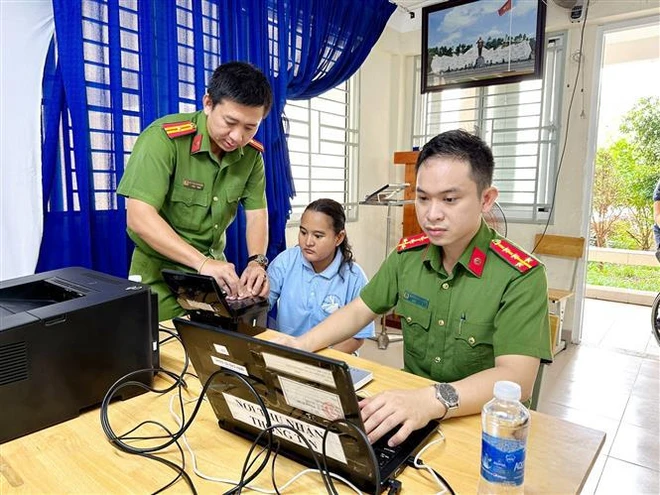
[415, 326]
[189, 207]
[474, 346]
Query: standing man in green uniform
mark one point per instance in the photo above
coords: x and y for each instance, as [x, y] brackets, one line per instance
[184, 180]
[473, 306]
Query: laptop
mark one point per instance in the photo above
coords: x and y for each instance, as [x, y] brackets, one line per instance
[206, 302]
[303, 390]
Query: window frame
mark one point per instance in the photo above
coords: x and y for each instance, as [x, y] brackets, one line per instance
[548, 128]
[350, 144]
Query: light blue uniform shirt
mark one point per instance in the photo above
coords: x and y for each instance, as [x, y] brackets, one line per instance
[305, 298]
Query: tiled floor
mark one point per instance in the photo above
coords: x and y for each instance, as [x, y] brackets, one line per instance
[611, 382]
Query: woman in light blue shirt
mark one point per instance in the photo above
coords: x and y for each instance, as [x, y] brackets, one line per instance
[310, 281]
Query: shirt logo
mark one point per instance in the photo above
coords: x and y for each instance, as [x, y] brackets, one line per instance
[191, 184]
[415, 299]
[331, 303]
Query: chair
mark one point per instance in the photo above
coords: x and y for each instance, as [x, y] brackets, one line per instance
[563, 247]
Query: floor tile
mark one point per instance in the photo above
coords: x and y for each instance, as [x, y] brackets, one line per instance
[590, 485]
[646, 387]
[642, 412]
[620, 477]
[637, 445]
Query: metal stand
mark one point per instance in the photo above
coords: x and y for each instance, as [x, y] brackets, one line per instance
[387, 196]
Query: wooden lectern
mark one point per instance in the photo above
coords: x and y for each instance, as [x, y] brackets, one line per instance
[408, 159]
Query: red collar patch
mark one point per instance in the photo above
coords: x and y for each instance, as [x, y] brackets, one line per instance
[514, 256]
[477, 262]
[412, 241]
[196, 144]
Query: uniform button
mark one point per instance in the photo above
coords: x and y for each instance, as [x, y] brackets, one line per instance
[445, 286]
[437, 359]
[215, 198]
[211, 250]
[215, 226]
[441, 323]
[471, 341]
[409, 319]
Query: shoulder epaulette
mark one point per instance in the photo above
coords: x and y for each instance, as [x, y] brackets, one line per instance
[412, 241]
[513, 255]
[177, 129]
[256, 145]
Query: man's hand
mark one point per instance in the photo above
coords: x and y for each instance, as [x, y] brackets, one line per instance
[254, 281]
[225, 274]
[412, 409]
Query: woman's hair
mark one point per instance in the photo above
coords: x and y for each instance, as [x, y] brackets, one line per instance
[335, 211]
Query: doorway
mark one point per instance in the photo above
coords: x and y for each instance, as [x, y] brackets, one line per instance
[628, 68]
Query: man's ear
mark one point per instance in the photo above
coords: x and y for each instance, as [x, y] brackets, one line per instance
[488, 198]
[208, 104]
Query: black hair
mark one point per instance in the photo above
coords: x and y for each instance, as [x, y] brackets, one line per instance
[242, 83]
[461, 145]
[336, 212]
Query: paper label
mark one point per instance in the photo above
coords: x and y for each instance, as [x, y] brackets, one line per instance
[502, 460]
[192, 304]
[221, 349]
[312, 400]
[296, 368]
[251, 414]
[229, 365]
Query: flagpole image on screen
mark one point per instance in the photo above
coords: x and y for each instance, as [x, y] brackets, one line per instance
[481, 42]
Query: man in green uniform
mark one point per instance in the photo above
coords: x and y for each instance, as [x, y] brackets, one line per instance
[184, 180]
[473, 306]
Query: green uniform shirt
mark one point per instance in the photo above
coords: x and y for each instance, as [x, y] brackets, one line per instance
[194, 192]
[455, 324]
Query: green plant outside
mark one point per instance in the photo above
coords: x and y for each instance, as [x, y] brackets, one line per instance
[624, 276]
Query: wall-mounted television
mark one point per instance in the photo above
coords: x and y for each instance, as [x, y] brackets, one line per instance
[481, 42]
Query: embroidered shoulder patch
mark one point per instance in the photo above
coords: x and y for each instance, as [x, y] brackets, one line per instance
[177, 129]
[256, 145]
[412, 241]
[513, 255]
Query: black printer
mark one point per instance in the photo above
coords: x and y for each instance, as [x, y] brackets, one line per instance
[65, 337]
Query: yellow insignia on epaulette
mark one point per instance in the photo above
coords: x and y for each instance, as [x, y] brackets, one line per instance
[513, 255]
[256, 145]
[412, 241]
[177, 129]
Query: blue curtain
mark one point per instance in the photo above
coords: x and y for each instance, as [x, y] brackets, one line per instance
[118, 69]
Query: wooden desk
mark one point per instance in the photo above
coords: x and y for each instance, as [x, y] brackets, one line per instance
[76, 457]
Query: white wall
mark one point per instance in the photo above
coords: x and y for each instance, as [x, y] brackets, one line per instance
[385, 123]
[26, 30]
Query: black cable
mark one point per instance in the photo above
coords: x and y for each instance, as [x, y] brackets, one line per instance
[268, 430]
[411, 462]
[365, 440]
[119, 441]
[568, 121]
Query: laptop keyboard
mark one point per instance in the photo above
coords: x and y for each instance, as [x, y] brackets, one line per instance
[385, 453]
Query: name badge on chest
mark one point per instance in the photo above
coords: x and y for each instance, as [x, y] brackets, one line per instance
[191, 184]
[415, 299]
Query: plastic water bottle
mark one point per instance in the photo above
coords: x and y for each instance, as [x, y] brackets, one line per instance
[504, 426]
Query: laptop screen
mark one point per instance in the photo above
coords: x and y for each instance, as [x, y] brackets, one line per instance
[201, 293]
[302, 390]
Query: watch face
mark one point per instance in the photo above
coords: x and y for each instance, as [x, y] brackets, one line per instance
[448, 393]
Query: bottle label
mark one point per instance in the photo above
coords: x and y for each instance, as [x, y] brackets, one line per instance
[502, 460]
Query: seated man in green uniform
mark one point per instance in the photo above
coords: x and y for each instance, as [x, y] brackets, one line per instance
[184, 180]
[473, 306]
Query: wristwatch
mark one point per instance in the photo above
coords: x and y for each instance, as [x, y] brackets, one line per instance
[260, 259]
[448, 395]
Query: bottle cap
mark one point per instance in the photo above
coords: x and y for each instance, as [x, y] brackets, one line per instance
[505, 390]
